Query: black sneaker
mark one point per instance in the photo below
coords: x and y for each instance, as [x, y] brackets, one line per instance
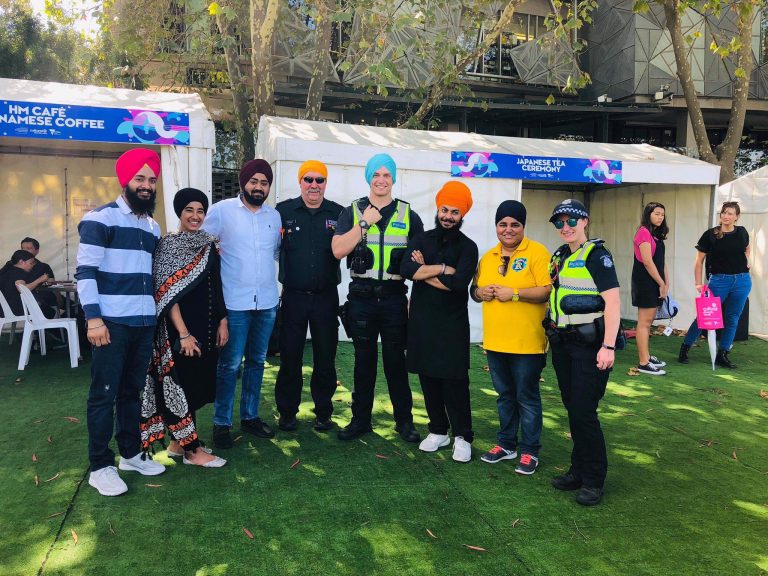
[566, 482]
[323, 424]
[651, 369]
[589, 496]
[527, 465]
[221, 437]
[659, 363]
[497, 454]
[408, 432]
[722, 360]
[288, 423]
[354, 430]
[257, 427]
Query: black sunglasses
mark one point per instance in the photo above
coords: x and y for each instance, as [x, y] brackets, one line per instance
[310, 179]
[504, 268]
[560, 224]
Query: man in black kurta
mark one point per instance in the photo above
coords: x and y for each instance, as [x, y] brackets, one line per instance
[441, 263]
[309, 273]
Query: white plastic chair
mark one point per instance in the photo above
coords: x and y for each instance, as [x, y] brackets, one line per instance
[36, 321]
[9, 317]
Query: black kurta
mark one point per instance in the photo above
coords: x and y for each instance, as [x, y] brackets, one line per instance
[438, 320]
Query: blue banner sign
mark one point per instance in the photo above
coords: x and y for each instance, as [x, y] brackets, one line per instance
[92, 124]
[493, 165]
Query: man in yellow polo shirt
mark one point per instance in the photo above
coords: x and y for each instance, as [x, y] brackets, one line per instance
[513, 283]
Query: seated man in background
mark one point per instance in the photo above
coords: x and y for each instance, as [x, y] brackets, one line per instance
[48, 301]
[17, 271]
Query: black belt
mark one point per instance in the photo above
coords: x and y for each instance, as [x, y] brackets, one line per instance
[377, 289]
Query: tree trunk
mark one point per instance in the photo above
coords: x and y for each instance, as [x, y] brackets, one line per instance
[264, 14]
[729, 147]
[680, 47]
[440, 85]
[239, 86]
[322, 43]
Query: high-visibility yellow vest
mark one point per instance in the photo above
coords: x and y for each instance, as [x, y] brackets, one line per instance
[574, 279]
[395, 236]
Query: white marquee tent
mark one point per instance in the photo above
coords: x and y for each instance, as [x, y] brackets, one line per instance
[751, 192]
[684, 185]
[52, 169]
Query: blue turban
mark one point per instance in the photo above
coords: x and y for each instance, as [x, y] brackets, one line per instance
[377, 162]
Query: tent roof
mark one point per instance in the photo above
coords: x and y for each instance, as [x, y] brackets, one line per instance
[201, 125]
[750, 191]
[642, 163]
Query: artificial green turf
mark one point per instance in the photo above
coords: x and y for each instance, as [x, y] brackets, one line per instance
[687, 491]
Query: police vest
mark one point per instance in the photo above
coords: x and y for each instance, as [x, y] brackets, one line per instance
[395, 237]
[574, 280]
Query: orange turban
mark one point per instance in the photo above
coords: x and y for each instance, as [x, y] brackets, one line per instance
[456, 194]
[131, 162]
[313, 166]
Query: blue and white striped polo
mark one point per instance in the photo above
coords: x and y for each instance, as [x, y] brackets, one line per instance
[114, 265]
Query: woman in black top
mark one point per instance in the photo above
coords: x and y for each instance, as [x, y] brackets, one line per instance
[726, 248]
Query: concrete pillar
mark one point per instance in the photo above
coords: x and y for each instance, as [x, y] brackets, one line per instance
[684, 136]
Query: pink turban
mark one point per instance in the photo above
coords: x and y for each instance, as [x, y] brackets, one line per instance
[131, 162]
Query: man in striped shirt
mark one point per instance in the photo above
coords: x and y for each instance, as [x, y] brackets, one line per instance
[114, 283]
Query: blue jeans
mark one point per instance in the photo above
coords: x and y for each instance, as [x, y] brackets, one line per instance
[516, 379]
[118, 374]
[733, 290]
[249, 329]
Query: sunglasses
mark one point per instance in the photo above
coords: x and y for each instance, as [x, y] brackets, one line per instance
[310, 179]
[560, 224]
[504, 268]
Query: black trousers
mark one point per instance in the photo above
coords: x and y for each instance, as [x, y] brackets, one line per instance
[582, 386]
[447, 403]
[369, 318]
[318, 311]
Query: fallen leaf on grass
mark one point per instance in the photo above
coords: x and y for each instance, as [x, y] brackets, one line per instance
[298, 461]
[382, 456]
[658, 455]
[338, 383]
[153, 485]
[50, 439]
[633, 371]
[39, 421]
[54, 515]
[52, 478]
[34, 457]
[111, 529]
[398, 453]
[764, 394]
[74, 535]
[238, 438]
[247, 532]
[72, 419]
[515, 523]
[430, 533]
[733, 455]
[17, 380]
[475, 548]
[37, 480]
[541, 379]
[649, 410]
[486, 369]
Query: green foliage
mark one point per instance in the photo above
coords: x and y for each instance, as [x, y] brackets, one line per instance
[30, 49]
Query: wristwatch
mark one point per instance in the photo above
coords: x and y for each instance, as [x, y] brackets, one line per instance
[364, 225]
[515, 295]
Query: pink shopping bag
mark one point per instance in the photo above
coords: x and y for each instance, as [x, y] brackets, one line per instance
[709, 310]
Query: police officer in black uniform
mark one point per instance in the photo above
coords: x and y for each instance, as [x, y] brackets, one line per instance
[373, 234]
[309, 273]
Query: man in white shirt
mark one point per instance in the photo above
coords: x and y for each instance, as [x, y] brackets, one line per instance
[249, 235]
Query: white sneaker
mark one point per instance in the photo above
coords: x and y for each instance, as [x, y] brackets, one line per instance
[433, 442]
[217, 462]
[107, 481]
[142, 464]
[462, 450]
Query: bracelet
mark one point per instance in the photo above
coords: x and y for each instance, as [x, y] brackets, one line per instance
[94, 327]
[185, 337]
[443, 270]
[608, 347]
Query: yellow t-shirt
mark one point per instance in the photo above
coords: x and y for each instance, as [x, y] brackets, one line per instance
[515, 327]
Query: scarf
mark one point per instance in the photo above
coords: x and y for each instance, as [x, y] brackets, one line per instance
[180, 262]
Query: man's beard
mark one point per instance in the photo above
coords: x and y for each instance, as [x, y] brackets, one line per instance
[254, 200]
[447, 234]
[140, 205]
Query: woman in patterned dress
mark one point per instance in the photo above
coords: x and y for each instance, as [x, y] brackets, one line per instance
[192, 325]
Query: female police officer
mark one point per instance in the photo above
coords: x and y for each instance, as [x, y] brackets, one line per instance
[582, 326]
